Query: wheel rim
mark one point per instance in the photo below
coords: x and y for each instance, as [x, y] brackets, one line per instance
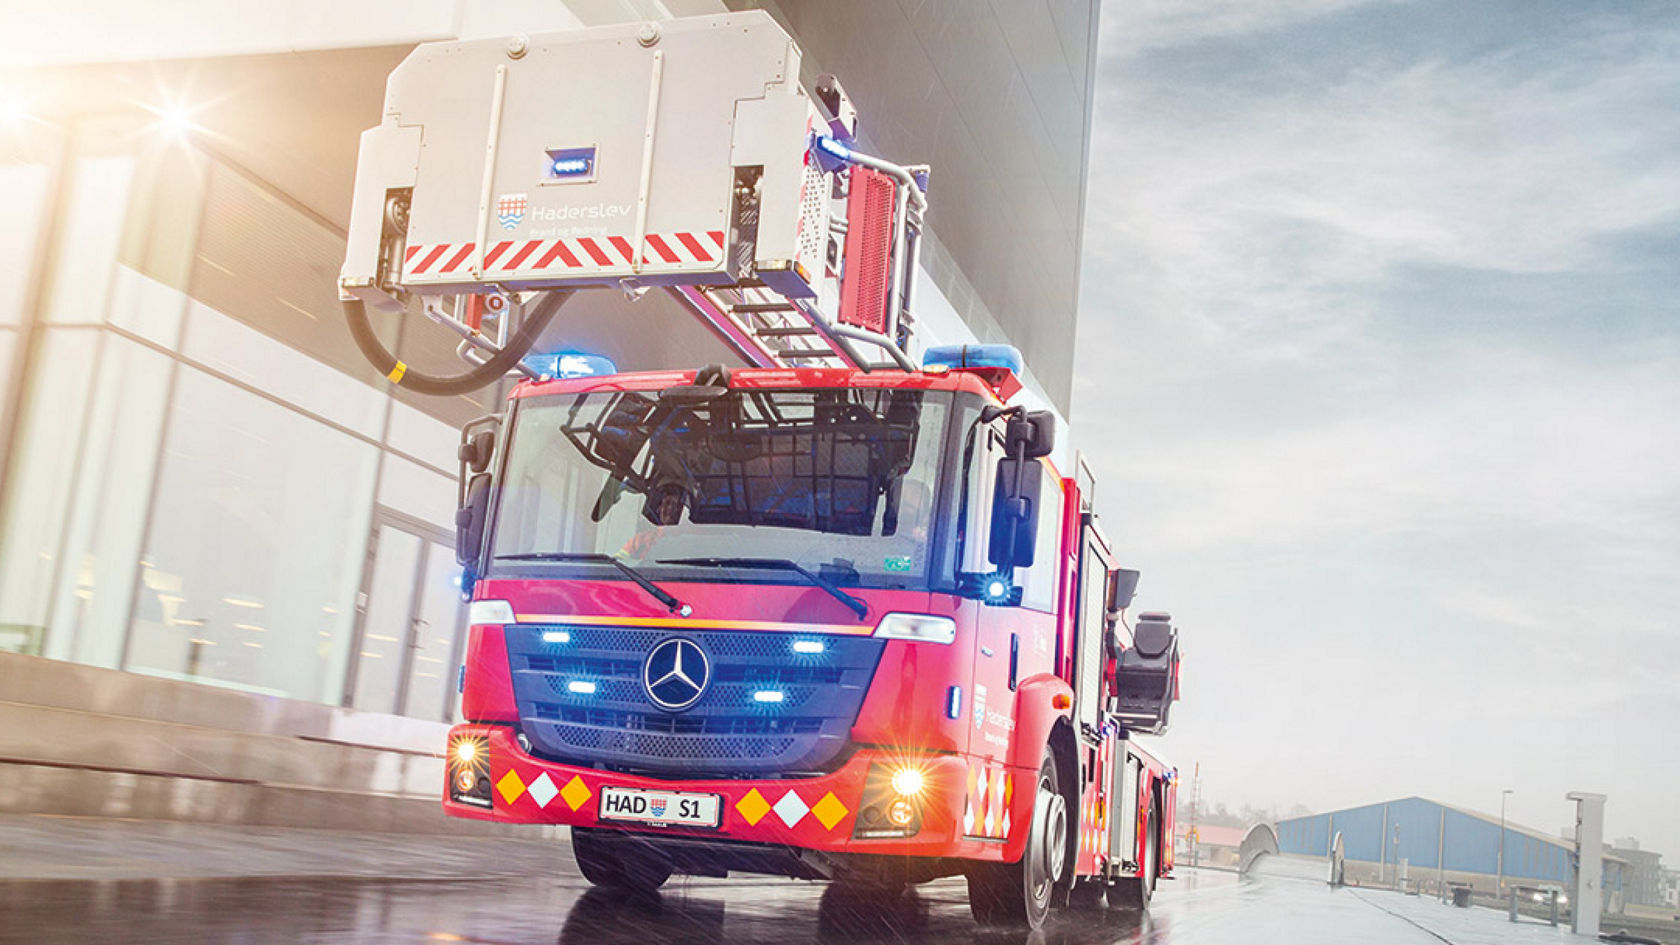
[1150, 852]
[1047, 856]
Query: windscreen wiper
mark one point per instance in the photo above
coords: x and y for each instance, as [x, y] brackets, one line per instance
[778, 564]
[675, 606]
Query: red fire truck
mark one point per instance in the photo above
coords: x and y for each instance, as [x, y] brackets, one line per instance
[820, 623]
[819, 617]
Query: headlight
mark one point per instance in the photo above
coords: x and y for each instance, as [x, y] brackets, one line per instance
[907, 781]
[891, 805]
[922, 627]
[489, 611]
[469, 770]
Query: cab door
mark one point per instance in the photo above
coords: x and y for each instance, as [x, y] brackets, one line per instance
[993, 699]
[1013, 642]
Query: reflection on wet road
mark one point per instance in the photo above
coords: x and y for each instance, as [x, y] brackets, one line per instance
[1197, 908]
[749, 910]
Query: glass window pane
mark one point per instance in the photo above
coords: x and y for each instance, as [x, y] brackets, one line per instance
[88, 240]
[1038, 583]
[8, 351]
[385, 622]
[107, 510]
[431, 679]
[982, 479]
[256, 545]
[38, 497]
[23, 192]
[1093, 612]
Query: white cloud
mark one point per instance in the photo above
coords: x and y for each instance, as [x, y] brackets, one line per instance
[1509, 439]
[1150, 24]
[1260, 209]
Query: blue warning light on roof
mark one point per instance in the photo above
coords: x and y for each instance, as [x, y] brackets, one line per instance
[569, 364]
[958, 357]
[834, 148]
[571, 164]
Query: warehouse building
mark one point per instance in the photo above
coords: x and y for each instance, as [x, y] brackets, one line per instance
[1424, 844]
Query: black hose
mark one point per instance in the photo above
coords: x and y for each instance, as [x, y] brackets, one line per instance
[401, 374]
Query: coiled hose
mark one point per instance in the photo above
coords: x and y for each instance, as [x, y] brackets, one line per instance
[401, 374]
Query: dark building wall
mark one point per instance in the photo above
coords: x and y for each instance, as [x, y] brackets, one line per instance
[997, 98]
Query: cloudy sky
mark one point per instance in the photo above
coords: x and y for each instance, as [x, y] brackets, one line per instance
[1380, 363]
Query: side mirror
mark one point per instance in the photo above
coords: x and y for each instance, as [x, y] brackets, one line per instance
[477, 449]
[469, 522]
[1122, 587]
[1014, 514]
[1031, 431]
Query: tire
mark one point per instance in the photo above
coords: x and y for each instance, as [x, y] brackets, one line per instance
[1134, 893]
[1018, 894]
[623, 864]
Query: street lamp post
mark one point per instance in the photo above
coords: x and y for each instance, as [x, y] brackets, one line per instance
[1502, 796]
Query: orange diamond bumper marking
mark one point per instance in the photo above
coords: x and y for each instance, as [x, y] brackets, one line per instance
[753, 807]
[830, 811]
[575, 793]
[510, 786]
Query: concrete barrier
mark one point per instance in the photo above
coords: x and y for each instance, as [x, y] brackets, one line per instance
[83, 741]
[1259, 841]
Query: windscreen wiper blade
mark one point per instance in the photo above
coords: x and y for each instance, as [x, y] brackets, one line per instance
[664, 597]
[778, 564]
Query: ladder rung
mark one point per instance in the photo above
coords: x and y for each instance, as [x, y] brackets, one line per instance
[786, 331]
[761, 307]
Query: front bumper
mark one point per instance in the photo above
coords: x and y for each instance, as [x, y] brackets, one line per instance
[815, 813]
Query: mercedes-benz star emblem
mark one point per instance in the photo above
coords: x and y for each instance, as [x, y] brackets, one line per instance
[675, 674]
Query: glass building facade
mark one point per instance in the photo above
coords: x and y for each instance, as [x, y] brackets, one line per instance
[202, 481]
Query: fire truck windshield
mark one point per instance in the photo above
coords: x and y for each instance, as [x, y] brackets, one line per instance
[841, 482]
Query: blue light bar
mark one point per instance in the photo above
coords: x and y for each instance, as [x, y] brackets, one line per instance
[568, 164]
[569, 364]
[582, 687]
[834, 148]
[808, 646]
[959, 357]
[768, 695]
[557, 636]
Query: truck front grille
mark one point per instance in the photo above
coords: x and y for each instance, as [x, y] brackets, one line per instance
[727, 732]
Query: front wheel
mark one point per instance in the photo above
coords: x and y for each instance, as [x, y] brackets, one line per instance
[622, 865]
[1018, 894]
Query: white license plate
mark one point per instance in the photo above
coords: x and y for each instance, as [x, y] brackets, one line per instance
[667, 808]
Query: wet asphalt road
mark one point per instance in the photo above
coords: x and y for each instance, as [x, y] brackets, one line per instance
[1196, 908]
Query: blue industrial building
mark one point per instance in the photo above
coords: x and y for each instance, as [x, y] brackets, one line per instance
[1437, 843]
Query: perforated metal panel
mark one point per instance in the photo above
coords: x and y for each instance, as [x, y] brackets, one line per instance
[813, 220]
[868, 276]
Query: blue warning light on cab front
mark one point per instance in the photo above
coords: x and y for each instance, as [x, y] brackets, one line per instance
[569, 364]
[570, 165]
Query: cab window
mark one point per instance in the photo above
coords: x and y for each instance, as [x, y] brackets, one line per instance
[1038, 583]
